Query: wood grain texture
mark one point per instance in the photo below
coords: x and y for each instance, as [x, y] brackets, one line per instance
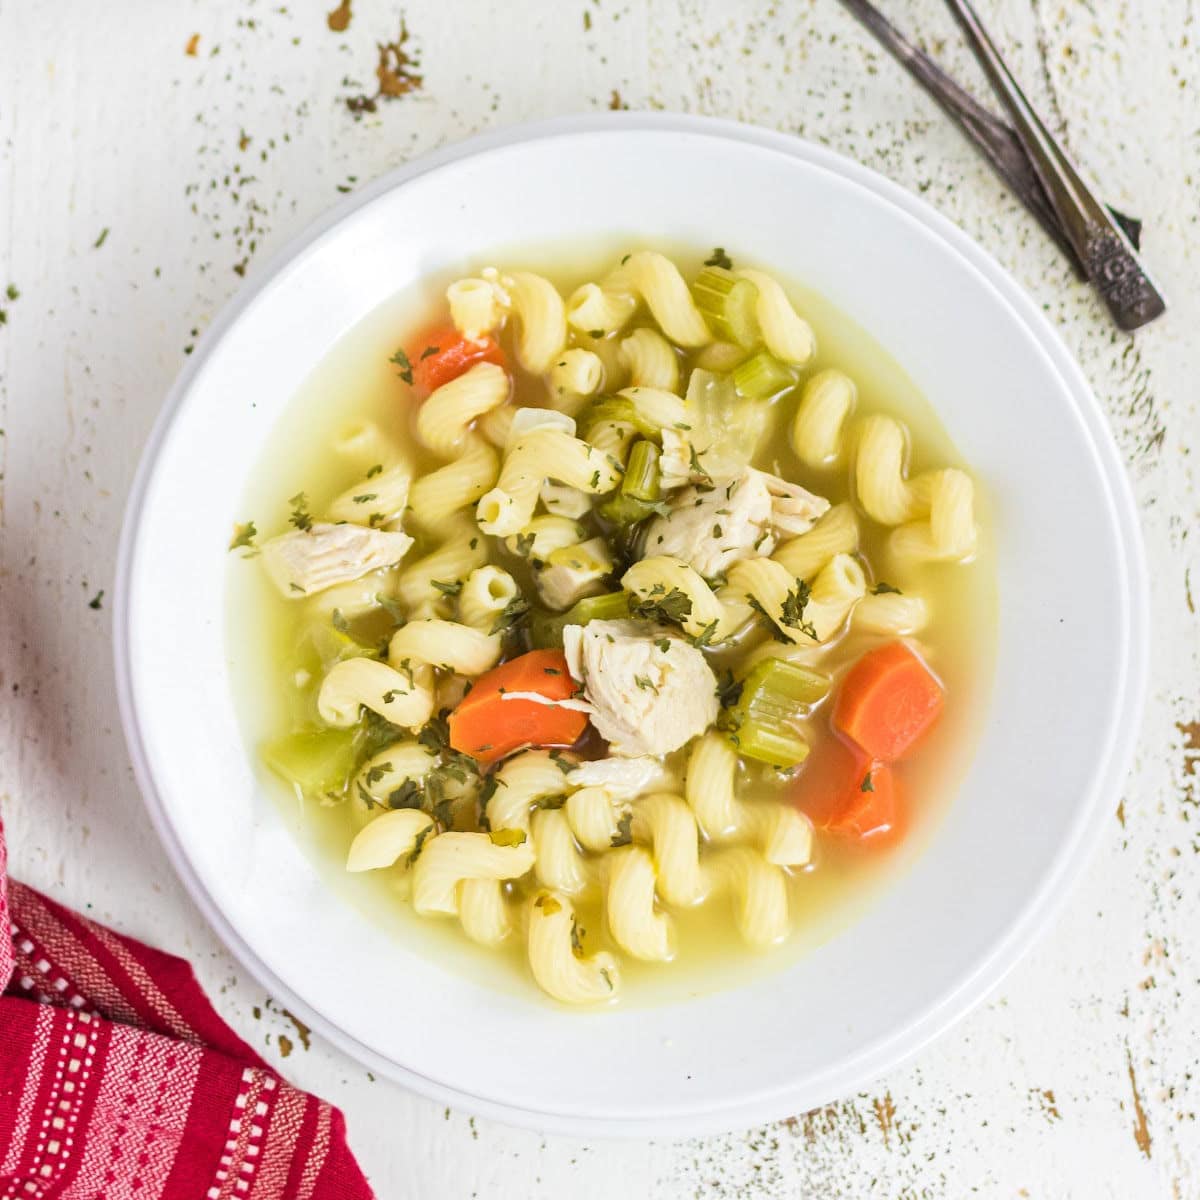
[1081, 1077]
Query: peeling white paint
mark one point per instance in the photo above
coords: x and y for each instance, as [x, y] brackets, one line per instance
[106, 123]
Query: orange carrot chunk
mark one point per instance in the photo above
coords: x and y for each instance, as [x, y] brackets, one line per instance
[871, 810]
[491, 722]
[444, 354]
[826, 784]
[887, 700]
[846, 794]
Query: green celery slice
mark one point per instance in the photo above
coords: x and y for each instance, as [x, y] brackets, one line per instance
[762, 724]
[761, 377]
[546, 629]
[728, 303]
[319, 761]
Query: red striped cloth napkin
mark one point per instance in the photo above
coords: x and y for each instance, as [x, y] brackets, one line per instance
[118, 1079]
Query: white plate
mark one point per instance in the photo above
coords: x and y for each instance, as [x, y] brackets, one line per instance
[1071, 649]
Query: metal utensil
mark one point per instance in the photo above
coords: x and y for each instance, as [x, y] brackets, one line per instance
[1005, 150]
[1108, 258]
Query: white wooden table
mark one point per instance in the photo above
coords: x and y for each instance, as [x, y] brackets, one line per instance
[138, 181]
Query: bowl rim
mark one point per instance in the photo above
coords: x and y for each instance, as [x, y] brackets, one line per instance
[1072, 855]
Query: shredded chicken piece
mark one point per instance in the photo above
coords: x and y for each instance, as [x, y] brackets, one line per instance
[306, 561]
[650, 692]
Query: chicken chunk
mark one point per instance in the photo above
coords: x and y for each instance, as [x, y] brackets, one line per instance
[650, 691]
[624, 778]
[572, 572]
[307, 561]
[794, 510]
[712, 528]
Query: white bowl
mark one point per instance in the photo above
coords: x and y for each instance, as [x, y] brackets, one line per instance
[1071, 645]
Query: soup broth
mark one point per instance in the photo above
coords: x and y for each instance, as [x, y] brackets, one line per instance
[279, 676]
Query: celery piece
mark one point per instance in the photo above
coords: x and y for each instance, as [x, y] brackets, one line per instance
[332, 645]
[774, 745]
[621, 411]
[625, 510]
[761, 377]
[728, 303]
[638, 497]
[319, 761]
[641, 481]
[762, 724]
[545, 629]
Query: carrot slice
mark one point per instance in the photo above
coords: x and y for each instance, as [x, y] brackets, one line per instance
[444, 354]
[844, 793]
[833, 772]
[871, 809]
[887, 700]
[490, 722]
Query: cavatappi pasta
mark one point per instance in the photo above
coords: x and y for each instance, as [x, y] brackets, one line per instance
[623, 609]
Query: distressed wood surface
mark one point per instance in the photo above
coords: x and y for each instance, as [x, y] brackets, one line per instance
[138, 180]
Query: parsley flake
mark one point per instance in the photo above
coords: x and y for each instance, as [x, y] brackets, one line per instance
[624, 834]
[300, 515]
[243, 535]
[400, 359]
[719, 259]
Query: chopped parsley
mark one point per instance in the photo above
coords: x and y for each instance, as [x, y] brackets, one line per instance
[392, 694]
[595, 478]
[513, 614]
[375, 470]
[658, 604]
[883, 589]
[595, 333]
[375, 520]
[101, 239]
[576, 937]
[391, 606]
[868, 784]
[547, 904]
[703, 478]
[400, 359]
[706, 635]
[604, 974]
[717, 531]
[410, 794]
[624, 834]
[377, 772]
[565, 765]
[419, 845]
[451, 588]
[664, 644]
[555, 800]
[792, 610]
[719, 259]
[646, 683]
[96, 601]
[338, 621]
[243, 535]
[429, 351]
[300, 516]
[729, 689]
[366, 496]
[524, 543]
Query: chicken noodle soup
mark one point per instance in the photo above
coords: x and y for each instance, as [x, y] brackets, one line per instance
[622, 607]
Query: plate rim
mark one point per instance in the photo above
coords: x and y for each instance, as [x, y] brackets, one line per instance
[1071, 857]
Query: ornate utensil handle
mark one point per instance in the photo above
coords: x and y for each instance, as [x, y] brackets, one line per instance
[1099, 242]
